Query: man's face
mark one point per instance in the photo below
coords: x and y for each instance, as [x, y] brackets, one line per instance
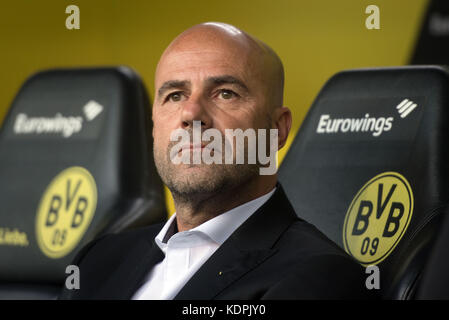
[222, 87]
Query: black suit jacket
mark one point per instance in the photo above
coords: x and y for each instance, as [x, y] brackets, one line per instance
[272, 255]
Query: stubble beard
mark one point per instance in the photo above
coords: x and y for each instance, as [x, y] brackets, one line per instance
[190, 182]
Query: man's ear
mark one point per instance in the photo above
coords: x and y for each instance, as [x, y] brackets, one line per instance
[283, 123]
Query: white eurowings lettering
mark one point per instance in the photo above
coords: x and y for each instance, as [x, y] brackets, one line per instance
[66, 126]
[374, 125]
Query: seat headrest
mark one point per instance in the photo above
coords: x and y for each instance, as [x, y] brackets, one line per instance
[369, 164]
[75, 162]
[432, 46]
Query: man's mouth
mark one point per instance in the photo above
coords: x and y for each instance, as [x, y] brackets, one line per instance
[191, 146]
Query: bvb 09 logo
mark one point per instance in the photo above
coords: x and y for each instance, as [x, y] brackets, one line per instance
[65, 211]
[378, 218]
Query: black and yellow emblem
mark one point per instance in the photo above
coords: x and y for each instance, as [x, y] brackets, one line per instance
[378, 218]
[65, 211]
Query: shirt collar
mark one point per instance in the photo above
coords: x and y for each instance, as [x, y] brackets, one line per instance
[219, 228]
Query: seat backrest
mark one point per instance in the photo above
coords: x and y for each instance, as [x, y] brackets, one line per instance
[435, 279]
[75, 163]
[368, 168]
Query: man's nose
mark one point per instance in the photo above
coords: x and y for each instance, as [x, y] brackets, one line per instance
[195, 109]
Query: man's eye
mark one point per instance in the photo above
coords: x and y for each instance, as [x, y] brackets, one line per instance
[227, 94]
[175, 96]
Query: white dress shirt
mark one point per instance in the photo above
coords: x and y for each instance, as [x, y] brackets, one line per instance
[185, 252]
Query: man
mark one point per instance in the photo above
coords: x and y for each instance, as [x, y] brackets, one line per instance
[234, 234]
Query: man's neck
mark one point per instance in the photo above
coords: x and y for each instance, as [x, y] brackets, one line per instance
[193, 211]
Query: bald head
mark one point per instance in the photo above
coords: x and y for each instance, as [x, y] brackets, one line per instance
[261, 62]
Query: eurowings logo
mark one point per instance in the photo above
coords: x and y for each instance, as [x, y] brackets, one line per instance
[59, 124]
[374, 125]
[406, 107]
[369, 124]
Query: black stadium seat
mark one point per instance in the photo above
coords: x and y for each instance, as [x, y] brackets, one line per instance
[432, 45]
[369, 168]
[435, 279]
[75, 163]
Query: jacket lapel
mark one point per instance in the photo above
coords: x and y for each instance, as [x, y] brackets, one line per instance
[226, 266]
[250, 245]
[128, 276]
